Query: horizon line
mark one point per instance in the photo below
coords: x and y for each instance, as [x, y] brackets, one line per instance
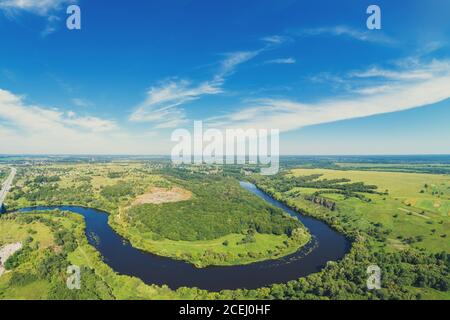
[168, 155]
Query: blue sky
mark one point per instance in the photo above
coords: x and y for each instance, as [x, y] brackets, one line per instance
[138, 69]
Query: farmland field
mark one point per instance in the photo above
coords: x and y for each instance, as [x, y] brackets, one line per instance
[416, 205]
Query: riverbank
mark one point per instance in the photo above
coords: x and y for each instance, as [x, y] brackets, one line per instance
[125, 259]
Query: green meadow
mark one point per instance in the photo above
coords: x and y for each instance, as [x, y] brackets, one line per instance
[415, 209]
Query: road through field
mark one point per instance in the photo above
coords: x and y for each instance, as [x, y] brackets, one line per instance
[6, 186]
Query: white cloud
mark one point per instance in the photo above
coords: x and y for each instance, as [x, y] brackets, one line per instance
[365, 36]
[26, 128]
[374, 90]
[431, 47]
[162, 107]
[276, 39]
[231, 61]
[40, 7]
[81, 102]
[411, 69]
[31, 129]
[35, 119]
[45, 8]
[282, 61]
[392, 96]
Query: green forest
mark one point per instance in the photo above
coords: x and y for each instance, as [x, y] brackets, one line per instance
[219, 207]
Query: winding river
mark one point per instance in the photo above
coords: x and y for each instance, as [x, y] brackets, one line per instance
[121, 256]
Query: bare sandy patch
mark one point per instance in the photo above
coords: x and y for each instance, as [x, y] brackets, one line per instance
[162, 195]
[6, 252]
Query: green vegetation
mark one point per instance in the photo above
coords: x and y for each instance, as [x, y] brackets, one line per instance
[4, 172]
[387, 220]
[220, 210]
[194, 230]
[397, 220]
[220, 207]
[39, 271]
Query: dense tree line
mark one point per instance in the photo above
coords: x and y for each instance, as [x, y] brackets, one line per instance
[347, 279]
[118, 190]
[53, 194]
[321, 201]
[284, 182]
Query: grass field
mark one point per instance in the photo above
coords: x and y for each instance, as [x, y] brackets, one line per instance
[11, 232]
[226, 250]
[416, 206]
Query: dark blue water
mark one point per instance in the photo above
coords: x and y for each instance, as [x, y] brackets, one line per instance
[327, 245]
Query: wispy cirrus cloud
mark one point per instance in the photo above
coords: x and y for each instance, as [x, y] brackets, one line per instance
[162, 106]
[408, 69]
[82, 103]
[397, 93]
[276, 39]
[45, 8]
[346, 31]
[289, 60]
[40, 7]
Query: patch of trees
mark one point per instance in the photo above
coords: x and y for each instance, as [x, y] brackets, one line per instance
[22, 279]
[321, 201]
[285, 183]
[53, 194]
[65, 239]
[219, 206]
[17, 258]
[249, 237]
[3, 174]
[46, 179]
[118, 190]
[401, 273]
[115, 175]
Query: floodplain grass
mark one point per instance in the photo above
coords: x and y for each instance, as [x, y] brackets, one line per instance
[224, 251]
[405, 211]
[12, 232]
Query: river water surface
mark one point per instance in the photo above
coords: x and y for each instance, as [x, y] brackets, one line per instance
[120, 255]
